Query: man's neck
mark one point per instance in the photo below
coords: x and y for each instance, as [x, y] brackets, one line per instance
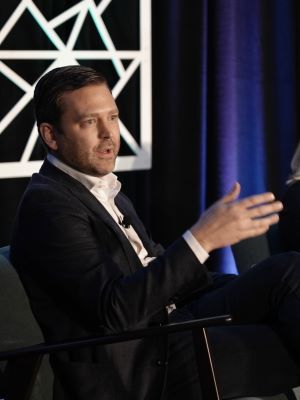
[88, 181]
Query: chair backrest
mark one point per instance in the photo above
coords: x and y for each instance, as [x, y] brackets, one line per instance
[18, 325]
[250, 251]
[253, 250]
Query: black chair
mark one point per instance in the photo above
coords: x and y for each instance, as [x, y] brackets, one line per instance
[235, 359]
[19, 328]
[25, 373]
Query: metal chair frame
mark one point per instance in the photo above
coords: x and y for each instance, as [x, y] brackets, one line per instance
[23, 363]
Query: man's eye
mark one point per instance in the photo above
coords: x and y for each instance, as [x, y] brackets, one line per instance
[114, 117]
[90, 121]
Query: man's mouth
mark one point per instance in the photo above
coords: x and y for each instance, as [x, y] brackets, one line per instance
[105, 151]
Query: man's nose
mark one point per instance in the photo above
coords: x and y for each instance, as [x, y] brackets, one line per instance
[103, 131]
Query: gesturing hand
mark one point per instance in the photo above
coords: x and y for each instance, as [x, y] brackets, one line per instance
[229, 220]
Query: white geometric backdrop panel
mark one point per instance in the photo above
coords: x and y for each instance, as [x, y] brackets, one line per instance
[65, 54]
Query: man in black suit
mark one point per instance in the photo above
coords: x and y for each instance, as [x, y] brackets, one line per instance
[89, 266]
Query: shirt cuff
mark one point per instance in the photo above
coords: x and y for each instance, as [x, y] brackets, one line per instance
[195, 246]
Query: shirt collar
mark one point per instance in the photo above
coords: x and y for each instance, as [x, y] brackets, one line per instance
[105, 187]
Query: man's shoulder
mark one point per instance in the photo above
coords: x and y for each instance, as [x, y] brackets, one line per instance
[49, 195]
[51, 180]
[41, 185]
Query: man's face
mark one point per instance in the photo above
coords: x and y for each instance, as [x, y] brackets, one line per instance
[88, 138]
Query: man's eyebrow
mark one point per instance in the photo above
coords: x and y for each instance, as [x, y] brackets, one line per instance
[95, 114]
[115, 111]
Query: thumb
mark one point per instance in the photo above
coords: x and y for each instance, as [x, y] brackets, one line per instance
[233, 194]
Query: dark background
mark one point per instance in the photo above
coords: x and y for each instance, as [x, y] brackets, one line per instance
[225, 77]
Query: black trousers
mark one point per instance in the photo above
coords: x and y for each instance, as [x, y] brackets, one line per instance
[269, 292]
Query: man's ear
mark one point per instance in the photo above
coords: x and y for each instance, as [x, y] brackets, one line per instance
[48, 134]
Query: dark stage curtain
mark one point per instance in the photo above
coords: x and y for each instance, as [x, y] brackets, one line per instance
[225, 108]
[226, 105]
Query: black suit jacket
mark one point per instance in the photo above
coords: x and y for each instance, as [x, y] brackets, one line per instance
[84, 278]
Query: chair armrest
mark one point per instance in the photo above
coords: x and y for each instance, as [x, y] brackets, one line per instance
[23, 363]
[166, 329]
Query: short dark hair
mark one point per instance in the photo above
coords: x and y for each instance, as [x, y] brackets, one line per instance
[54, 84]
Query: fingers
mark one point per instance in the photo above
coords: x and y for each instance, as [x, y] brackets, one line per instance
[265, 222]
[229, 220]
[264, 209]
[233, 193]
[260, 226]
[270, 220]
[256, 206]
[253, 201]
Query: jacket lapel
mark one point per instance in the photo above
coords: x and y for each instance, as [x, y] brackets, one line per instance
[126, 208]
[88, 200]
